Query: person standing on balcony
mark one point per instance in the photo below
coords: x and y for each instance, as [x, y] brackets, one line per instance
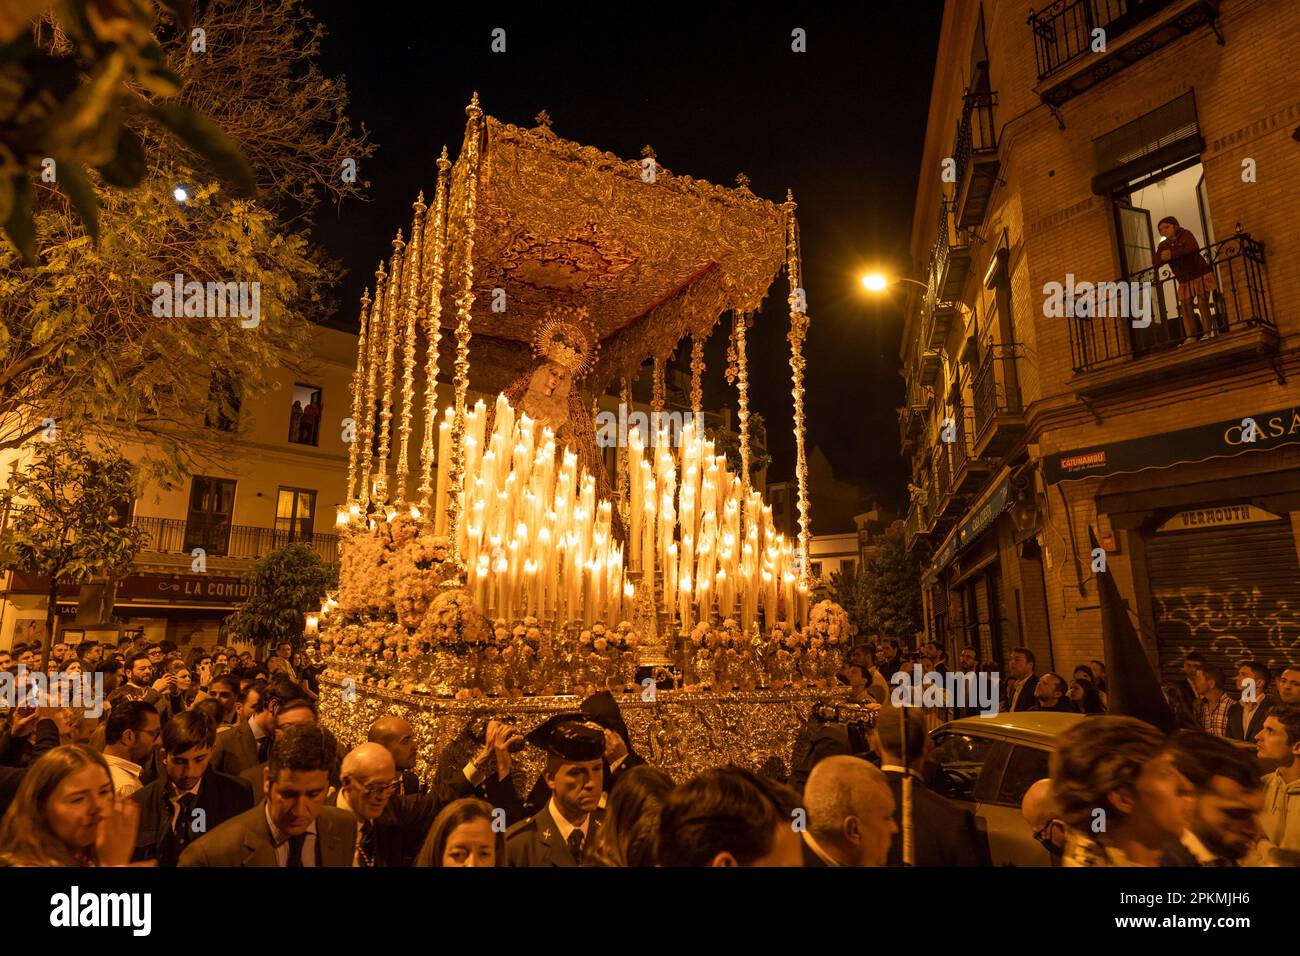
[310, 419]
[295, 421]
[1193, 276]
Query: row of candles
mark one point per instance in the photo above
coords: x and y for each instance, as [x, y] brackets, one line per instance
[535, 540]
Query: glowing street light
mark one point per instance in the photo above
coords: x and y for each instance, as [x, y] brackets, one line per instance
[180, 194]
[878, 282]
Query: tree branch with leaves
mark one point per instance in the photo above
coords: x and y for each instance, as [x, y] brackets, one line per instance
[65, 520]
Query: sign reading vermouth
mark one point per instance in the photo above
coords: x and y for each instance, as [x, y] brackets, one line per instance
[1224, 516]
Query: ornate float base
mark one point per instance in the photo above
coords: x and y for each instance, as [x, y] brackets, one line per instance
[681, 732]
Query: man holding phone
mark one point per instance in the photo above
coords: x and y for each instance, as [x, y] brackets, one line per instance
[140, 684]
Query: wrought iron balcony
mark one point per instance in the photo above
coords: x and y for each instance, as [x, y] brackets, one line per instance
[1108, 349]
[996, 390]
[942, 473]
[217, 539]
[968, 469]
[975, 155]
[931, 366]
[951, 257]
[1065, 31]
[920, 521]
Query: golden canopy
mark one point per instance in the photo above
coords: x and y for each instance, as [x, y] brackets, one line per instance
[651, 255]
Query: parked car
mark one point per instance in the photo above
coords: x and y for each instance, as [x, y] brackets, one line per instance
[985, 764]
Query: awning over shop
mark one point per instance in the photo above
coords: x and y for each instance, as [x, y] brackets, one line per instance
[1235, 436]
[991, 504]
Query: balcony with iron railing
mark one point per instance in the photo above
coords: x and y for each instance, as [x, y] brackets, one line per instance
[1067, 33]
[939, 314]
[1116, 340]
[219, 539]
[920, 523]
[968, 469]
[952, 257]
[942, 476]
[975, 157]
[999, 414]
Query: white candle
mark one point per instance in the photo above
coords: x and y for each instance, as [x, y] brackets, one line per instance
[684, 602]
[532, 583]
[443, 463]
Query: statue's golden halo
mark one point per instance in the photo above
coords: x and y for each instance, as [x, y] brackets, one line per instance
[567, 338]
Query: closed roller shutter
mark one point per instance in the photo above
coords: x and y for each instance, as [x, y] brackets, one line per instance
[982, 639]
[1230, 593]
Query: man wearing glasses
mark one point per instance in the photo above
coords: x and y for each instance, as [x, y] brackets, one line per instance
[392, 826]
[130, 739]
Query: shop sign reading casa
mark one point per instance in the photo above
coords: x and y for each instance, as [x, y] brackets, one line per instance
[1218, 517]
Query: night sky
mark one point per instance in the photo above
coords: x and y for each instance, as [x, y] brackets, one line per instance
[715, 92]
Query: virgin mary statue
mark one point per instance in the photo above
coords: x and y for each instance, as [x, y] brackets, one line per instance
[565, 348]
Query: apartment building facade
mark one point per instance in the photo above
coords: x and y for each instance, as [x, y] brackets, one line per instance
[1155, 414]
[277, 478]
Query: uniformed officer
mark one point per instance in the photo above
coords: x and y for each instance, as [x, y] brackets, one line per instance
[560, 833]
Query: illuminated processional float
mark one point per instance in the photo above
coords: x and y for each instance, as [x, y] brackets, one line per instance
[500, 571]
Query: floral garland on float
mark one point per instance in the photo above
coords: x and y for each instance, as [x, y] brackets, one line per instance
[401, 621]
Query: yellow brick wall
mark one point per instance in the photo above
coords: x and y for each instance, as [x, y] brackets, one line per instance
[1248, 104]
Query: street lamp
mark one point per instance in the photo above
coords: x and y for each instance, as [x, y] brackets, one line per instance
[877, 282]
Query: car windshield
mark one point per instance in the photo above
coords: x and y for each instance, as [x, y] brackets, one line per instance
[956, 763]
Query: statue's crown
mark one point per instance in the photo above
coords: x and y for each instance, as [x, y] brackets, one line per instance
[567, 338]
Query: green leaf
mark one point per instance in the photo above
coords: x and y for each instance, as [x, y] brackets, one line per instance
[211, 142]
[127, 166]
[75, 185]
[19, 226]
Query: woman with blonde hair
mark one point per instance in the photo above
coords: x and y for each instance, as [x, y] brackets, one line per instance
[66, 814]
[463, 835]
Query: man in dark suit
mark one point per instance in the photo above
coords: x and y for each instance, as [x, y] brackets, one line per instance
[942, 834]
[191, 798]
[392, 826]
[850, 814]
[1049, 694]
[1020, 690]
[1246, 717]
[295, 710]
[293, 827]
[249, 743]
[560, 833]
